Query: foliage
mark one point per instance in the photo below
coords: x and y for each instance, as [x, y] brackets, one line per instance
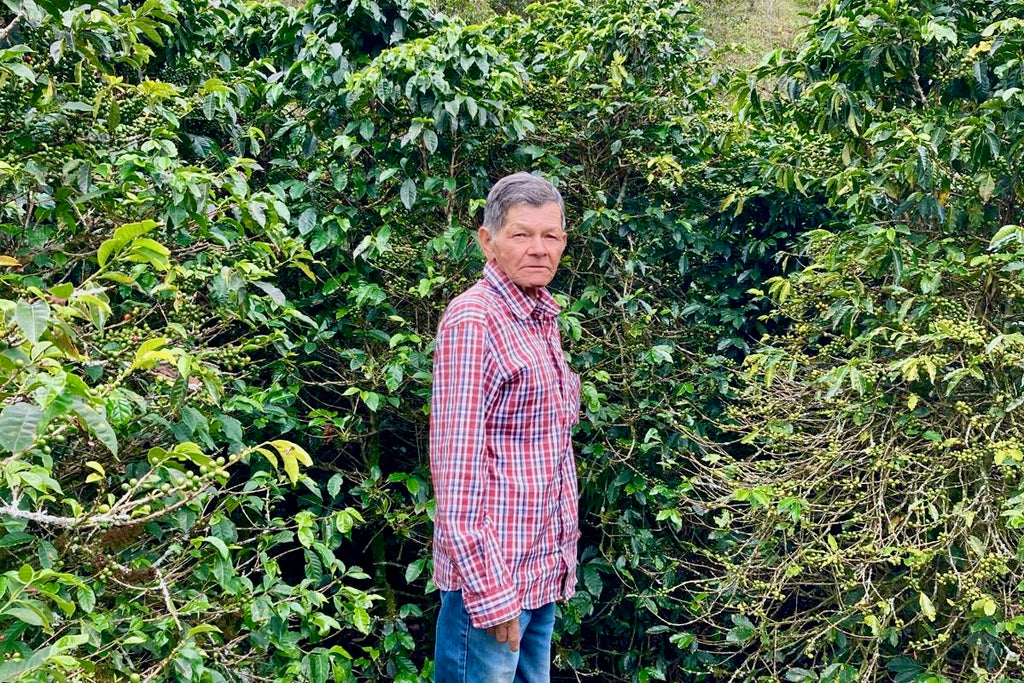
[147, 532]
[228, 231]
[871, 529]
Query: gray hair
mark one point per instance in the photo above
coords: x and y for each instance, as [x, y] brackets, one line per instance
[516, 189]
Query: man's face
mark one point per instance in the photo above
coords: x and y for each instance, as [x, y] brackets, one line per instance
[528, 246]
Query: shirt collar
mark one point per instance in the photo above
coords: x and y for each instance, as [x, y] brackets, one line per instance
[521, 305]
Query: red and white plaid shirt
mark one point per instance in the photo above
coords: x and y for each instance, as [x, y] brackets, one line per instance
[504, 403]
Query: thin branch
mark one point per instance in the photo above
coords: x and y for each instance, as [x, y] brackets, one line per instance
[93, 520]
[66, 522]
[158, 669]
[167, 597]
[6, 31]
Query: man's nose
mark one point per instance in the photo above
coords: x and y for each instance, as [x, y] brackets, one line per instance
[536, 245]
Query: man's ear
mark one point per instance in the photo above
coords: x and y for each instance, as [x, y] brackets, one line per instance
[483, 238]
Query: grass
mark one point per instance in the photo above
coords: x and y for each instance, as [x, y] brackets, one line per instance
[746, 30]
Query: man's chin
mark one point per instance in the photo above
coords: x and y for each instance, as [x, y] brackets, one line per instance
[533, 282]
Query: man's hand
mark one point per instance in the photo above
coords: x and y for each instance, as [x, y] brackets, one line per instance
[507, 632]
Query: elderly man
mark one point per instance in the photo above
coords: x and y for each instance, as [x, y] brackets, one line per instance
[503, 407]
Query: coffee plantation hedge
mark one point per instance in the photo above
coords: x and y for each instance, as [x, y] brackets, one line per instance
[227, 230]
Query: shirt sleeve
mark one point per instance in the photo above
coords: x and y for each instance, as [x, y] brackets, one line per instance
[460, 470]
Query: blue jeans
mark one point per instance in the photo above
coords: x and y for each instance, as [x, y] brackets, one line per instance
[465, 654]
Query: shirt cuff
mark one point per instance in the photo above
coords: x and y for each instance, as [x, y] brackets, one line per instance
[490, 609]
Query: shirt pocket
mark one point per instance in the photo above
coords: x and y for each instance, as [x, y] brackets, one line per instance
[528, 387]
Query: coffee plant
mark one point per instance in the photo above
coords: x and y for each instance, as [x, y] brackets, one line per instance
[228, 230]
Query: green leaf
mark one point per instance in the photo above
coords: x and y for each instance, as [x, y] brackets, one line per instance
[107, 249]
[984, 605]
[119, 278]
[145, 250]
[306, 528]
[742, 632]
[275, 294]
[113, 115]
[231, 427]
[334, 484]
[129, 231]
[346, 519]
[13, 538]
[361, 620]
[414, 131]
[18, 425]
[220, 545]
[319, 666]
[927, 608]
[33, 318]
[933, 30]
[29, 616]
[800, 675]
[371, 399]
[592, 580]
[20, 70]
[86, 599]
[98, 424]
[430, 140]
[1006, 234]
[366, 129]
[258, 212]
[151, 352]
[202, 628]
[62, 291]
[408, 193]
[413, 571]
[307, 221]
[120, 411]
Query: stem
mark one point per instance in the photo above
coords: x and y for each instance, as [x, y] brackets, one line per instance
[6, 31]
[377, 544]
[167, 598]
[43, 518]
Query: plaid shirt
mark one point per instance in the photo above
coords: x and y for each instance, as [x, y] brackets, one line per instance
[504, 403]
